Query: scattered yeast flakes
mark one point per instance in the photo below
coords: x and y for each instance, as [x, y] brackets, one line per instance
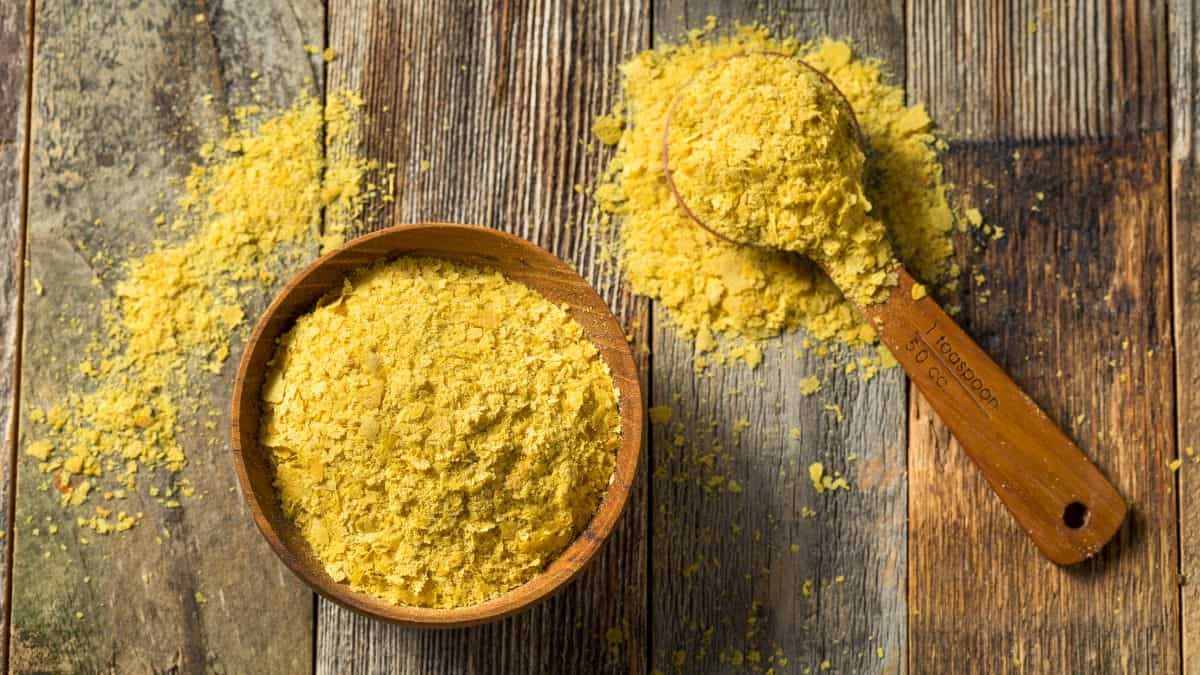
[835, 409]
[439, 433]
[810, 385]
[258, 194]
[715, 291]
[614, 637]
[823, 482]
[607, 128]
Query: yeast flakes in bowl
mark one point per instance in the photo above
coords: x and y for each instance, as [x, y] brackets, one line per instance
[442, 441]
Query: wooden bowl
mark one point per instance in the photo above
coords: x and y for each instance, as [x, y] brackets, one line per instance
[518, 260]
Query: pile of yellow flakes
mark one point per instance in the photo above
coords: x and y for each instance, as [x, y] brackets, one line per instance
[439, 432]
[717, 292]
[249, 207]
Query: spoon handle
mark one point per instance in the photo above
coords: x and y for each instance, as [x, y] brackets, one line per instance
[1061, 499]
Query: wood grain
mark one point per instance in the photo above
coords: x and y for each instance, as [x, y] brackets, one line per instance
[116, 83]
[498, 99]
[1185, 221]
[1032, 70]
[1058, 497]
[723, 560]
[1078, 313]
[16, 33]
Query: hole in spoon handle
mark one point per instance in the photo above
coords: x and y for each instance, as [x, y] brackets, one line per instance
[1062, 501]
[1075, 515]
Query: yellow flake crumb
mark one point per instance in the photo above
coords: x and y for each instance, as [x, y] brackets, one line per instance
[607, 128]
[823, 482]
[835, 409]
[660, 414]
[40, 449]
[810, 385]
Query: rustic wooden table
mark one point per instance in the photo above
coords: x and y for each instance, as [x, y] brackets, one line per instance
[1095, 310]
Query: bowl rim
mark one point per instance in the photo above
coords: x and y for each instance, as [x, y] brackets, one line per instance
[560, 571]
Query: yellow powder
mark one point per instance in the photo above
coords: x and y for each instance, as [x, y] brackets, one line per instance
[764, 152]
[660, 414]
[439, 433]
[607, 128]
[715, 291]
[823, 482]
[835, 408]
[256, 197]
[810, 385]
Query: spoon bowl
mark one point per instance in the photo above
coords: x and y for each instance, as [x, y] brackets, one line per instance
[666, 143]
[520, 261]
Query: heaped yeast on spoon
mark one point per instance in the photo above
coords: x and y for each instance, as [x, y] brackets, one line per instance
[771, 155]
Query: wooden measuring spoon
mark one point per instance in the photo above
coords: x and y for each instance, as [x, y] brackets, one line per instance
[1062, 501]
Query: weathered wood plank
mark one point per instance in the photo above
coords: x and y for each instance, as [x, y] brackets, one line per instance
[1066, 102]
[16, 34]
[723, 559]
[1037, 71]
[1185, 211]
[497, 99]
[118, 82]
